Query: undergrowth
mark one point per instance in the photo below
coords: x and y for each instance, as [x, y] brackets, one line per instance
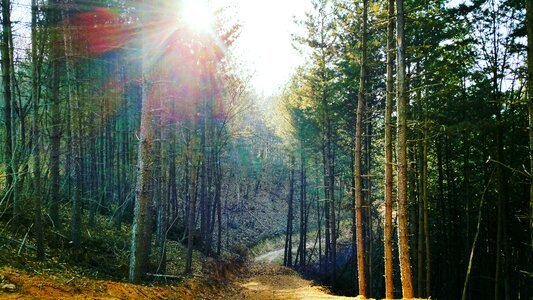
[104, 252]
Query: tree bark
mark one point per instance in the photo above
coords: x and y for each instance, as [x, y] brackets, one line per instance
[426, 207]
[420, 234]
[357, 168]
[403, 227]
[139, 243]
[55, 136]
[35, 92]
[389, 286]
[331, 184]
[327, 221]
[8, 99]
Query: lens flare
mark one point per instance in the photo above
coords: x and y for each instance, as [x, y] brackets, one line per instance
[196, 15]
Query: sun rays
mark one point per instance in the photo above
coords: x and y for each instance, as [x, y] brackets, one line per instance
[196, 15]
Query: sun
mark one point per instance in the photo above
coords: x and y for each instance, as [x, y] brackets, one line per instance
[196, 15]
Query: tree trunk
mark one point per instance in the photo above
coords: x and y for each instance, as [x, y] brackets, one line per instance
[204, 215]
[389, 286]
[191, 217]
[353, 214]
[55, 114]
[357, 168]
[139, 243]
[426, 208]
[327, 221]
[303, 192]
[318, 220]
[18, 157]
[37, 195]
[6, 82]
[420, 234]
[288, 239]
[403, 227]
[77, 201]
[218, 202]
[529, 11]
[369, 201]
[331, 187]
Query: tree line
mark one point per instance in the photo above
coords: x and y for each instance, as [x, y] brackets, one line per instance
[117, 113]
[417, 114]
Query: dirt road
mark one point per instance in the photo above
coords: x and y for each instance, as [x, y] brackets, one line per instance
[269, 281]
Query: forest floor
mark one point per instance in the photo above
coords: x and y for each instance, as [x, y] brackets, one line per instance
[100, 272]
[251, 281]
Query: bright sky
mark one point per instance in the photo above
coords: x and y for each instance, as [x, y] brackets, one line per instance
[265, 44]
[264, 47]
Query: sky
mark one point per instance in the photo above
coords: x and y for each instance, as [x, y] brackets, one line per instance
[265, 43]
[264, 47]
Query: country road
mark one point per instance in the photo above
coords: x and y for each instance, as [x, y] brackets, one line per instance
[269, 281]
[270, 257]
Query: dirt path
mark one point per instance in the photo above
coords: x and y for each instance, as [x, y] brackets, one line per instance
[270, 257]
[268, 281]
[275, 256]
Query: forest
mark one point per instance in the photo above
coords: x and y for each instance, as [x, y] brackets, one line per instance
[395, 163]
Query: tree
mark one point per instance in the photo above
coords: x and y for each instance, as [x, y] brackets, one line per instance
[35, 94]
[357, 160]
[192, 209]
[6, 84]
[387, 240]
[529, 9]
[141, 230]
[287, 258]
[402, 95]
[304, 210]
[54, 12]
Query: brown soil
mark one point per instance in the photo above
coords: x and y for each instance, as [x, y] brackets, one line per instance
[268, 281]
[255, 281]
[48, 286]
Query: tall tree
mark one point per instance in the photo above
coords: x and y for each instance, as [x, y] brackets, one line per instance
[141, 230]
[55, 13]
[35, 94]
[529, 16]
[8, 100]
[387, 240]
[402, 95]
[357, 161]
[287, 258]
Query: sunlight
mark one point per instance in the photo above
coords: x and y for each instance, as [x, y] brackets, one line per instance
[196, 14]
